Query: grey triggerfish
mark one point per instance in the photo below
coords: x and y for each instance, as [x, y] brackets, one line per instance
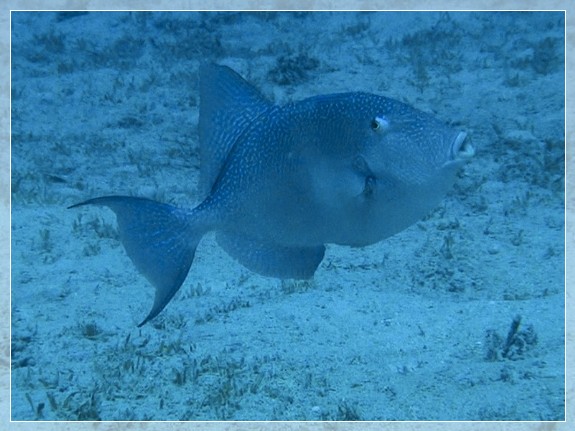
[280, 182]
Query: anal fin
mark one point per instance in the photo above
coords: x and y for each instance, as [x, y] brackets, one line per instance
[271, 259]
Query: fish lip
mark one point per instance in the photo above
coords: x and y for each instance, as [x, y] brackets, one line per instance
[461, 150]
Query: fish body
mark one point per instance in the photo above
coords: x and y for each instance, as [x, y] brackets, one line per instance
[280, 182]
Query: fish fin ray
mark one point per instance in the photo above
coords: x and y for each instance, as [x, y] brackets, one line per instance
[159, 239]
[271, 259]
[228, 104]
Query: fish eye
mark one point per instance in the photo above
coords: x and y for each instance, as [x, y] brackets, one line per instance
[379, 124]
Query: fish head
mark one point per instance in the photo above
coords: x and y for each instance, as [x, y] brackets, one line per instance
[405, 146]
[399, 163]
[410, 159]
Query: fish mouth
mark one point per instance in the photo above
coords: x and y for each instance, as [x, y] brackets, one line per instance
[461, 150]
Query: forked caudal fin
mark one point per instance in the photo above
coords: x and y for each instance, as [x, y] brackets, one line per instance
[160, 239]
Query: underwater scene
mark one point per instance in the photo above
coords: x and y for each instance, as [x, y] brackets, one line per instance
[287, 216]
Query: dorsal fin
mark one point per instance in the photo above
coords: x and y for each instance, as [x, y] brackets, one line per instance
[228, 104]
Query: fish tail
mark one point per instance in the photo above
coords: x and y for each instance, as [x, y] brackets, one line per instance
[160, 239]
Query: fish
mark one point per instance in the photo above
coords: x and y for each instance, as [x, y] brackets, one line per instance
[279, 182]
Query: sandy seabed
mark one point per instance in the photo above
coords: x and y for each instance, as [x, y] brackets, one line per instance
[417, 327]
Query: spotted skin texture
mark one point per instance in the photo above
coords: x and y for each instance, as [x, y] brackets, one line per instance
[281, 182]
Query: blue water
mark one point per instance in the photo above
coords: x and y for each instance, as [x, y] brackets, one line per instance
[422, 326]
